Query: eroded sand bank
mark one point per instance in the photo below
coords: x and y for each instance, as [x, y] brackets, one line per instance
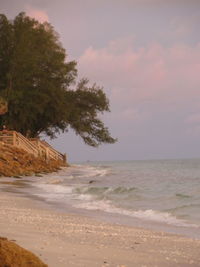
[69, 240]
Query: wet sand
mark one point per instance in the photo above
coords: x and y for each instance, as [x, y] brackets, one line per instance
[64, 240]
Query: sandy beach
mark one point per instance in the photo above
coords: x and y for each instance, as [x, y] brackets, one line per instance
[69, 240]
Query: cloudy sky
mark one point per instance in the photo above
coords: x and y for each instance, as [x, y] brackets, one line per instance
[146, 55]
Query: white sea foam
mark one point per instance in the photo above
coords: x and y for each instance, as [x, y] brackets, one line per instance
[116, 190]
[84, 197]
[150, 215]
[54, 192]
[90, 171]
[55, 188]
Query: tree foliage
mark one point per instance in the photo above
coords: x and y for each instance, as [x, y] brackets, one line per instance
[36, 80]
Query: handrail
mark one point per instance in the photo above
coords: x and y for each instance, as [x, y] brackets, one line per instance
[5, 137]
[22, 141]
[32, 145]
[49, 151]
[51, 148]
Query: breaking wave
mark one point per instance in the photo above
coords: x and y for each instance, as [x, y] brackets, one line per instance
[152, 215]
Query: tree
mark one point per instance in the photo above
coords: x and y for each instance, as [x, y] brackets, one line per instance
[37, 82]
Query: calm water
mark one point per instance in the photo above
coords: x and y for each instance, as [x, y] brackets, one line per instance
[163, 195]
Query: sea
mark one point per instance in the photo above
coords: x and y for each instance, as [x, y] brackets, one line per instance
[161, 195]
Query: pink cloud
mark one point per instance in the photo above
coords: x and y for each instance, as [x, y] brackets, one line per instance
[169, 76]
[193, 118]
[38, 14]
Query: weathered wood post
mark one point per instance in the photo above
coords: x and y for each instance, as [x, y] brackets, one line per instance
[3, 106]
[47, 154]
[14, 138]
[65, 158]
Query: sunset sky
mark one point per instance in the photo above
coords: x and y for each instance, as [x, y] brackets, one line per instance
[146, 55]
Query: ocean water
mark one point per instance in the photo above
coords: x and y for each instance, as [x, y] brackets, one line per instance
[159, 194]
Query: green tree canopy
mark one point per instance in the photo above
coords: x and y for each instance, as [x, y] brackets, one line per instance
[37, 82]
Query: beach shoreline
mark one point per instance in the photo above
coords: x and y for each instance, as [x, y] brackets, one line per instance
[61, 239]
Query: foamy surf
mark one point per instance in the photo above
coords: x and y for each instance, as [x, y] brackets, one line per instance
[160, 192]
[87, 171]
[149, 215]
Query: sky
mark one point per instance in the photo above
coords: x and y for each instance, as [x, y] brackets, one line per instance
[146, 56]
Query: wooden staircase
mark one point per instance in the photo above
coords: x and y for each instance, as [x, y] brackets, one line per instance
[33, 146]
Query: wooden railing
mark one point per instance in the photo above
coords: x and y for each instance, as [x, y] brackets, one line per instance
[6, 137]
[53, 153]
[23, 143]
[47, 151]
[33, 146]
